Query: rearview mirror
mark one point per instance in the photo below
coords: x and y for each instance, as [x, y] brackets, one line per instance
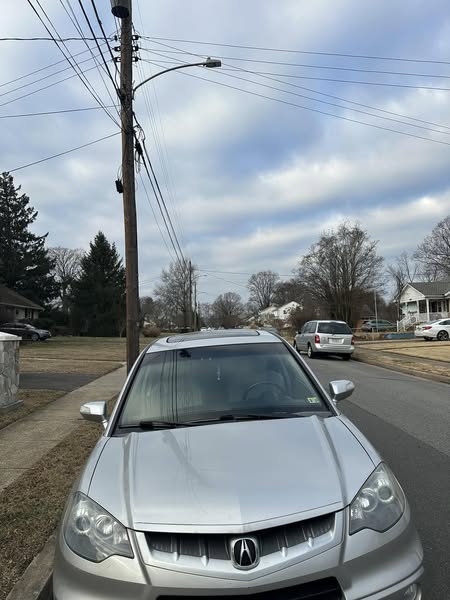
[95, 411]
[340, 389]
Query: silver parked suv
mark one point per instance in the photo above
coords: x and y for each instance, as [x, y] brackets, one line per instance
[226, 470]
[325, 337]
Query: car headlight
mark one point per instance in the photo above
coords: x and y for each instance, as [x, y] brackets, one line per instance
[92, 532]
[379, 504]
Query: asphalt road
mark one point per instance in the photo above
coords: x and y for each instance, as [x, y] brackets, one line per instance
[408, 420]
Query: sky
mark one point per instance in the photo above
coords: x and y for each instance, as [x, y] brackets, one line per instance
[256, 159]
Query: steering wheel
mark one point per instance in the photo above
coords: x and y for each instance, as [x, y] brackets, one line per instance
[260, 383]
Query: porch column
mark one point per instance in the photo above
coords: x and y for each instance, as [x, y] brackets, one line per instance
[418, 310]
[428, 309]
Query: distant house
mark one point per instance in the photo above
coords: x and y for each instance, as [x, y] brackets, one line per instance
[424, 301]
[14, 307]
[278, 313]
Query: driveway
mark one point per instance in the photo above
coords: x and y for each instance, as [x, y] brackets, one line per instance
[408, 420]
[54, 381]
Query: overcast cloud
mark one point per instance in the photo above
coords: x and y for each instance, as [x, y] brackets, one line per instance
[250, 182]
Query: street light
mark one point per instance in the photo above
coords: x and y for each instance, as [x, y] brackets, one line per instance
[209, 63]
[122, 9]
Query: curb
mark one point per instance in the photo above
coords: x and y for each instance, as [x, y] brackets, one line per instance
[36, 582]
[405, 370]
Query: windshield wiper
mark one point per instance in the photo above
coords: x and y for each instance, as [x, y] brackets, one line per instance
[155, 424]
[244, 417]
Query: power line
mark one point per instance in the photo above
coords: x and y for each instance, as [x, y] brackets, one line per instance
[105, 37]
[236, 272]
[316, 110]
[162, 204]
[351, 81]
[97, 43]
[60, 40]
[73, 64]
[73, 17]
[309, 66]
[46, 87]
[301, 87]
[53, 112]
[146, 161]
[36, 162]
[159, 139]
[291, 51]
[58, 62]
[424, 127]
[156, 221]
[21, 87]
[158, 144]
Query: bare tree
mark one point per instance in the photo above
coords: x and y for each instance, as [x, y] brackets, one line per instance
[228, 310]
[434, 252]
[262, 288]
[341, 265]
[288, 291]
[67, 267]
[403, 271]
[173, 294]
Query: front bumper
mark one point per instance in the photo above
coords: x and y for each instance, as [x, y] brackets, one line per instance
[367, 566]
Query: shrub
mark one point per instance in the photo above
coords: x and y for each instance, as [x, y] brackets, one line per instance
[151, 331]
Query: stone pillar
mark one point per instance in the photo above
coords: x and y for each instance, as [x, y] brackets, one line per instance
[9, 371]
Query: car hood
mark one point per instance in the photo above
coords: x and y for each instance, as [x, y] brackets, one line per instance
[230, 476]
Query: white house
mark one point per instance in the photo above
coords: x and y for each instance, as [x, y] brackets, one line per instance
[424, 301]
[278, 313]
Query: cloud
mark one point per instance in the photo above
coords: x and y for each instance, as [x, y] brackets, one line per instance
[250, 183]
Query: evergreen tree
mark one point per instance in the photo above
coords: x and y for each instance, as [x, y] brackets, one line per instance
[99, 291]
[25, 265]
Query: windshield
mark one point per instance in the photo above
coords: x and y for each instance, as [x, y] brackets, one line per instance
[334, 327]
[218, 381]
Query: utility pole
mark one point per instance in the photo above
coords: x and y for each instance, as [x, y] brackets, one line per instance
[195, 305]
[190, 294]
[129, 200]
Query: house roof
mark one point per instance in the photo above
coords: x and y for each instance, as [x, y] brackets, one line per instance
[12, 298]
[431, 288]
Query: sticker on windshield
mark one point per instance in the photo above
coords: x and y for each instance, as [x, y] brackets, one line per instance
[313, 400]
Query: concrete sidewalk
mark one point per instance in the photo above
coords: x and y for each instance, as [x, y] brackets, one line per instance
[26, 441]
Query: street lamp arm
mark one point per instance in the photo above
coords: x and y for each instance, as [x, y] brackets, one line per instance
[209, 63]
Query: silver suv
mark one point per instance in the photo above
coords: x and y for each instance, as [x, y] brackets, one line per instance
[325, 337]
[226, 470]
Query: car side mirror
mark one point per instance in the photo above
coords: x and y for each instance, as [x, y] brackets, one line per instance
[341, 389]
[95, 411]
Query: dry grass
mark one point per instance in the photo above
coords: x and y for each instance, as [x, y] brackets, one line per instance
[86, 355]
[68, 366]
[420, 349]
[30, 508]
[32, 400]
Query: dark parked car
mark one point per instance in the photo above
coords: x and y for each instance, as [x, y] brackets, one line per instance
[25, 331]
[378, 325]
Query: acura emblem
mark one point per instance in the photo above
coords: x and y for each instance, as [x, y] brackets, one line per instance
[245, 553]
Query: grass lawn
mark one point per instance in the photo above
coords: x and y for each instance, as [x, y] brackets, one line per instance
[420, 349]
[84, 355]
[32, 400]
[30, 508]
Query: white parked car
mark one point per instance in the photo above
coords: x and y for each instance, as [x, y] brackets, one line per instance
[435, 330]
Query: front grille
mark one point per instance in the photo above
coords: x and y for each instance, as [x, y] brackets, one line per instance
[216, 546]
[323, 589]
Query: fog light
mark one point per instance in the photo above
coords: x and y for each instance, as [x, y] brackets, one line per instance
[413, 592]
